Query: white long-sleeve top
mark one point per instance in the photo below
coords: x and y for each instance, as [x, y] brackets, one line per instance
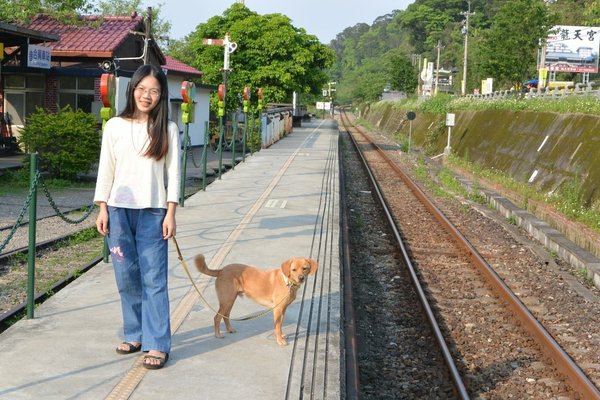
[128, 179]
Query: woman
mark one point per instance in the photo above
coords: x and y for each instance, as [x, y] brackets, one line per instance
[137, 211]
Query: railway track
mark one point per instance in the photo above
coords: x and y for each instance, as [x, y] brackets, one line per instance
[498, 348]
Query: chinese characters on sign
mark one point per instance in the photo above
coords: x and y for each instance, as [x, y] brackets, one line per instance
[572, 49]
[38, 56]
[323, 105]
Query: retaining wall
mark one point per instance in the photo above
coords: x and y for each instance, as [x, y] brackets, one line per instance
[543, 149]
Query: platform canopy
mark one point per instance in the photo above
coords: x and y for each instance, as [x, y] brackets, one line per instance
[13, 35]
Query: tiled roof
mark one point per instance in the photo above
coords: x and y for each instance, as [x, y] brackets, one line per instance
[14, 35]
[179, 67]
[98, 37]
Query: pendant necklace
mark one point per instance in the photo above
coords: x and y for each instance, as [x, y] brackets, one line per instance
[133, 141]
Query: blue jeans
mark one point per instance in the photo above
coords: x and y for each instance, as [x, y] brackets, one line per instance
[139, 256]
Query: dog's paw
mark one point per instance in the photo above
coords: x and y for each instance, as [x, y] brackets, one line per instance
[282, 342]
[219, 336]
[232, 330]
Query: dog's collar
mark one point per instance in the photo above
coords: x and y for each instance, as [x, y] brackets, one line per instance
[288, 282]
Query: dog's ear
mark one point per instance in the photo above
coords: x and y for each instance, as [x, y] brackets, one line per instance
[313, 266]
[286, 266]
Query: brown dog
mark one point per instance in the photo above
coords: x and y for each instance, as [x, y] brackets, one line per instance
[271, 288]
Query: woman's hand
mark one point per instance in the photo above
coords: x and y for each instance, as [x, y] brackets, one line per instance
[169, 226]
[102, 220]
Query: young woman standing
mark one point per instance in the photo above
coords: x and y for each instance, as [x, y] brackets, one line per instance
[138, 191]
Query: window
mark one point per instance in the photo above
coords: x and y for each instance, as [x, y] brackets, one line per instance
[78, 92]
[15, 81]
[22, 95]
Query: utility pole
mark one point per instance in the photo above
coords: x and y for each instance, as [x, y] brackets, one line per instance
[329, 90]
[437, 67]
[147, 33]
[416, 62]
[465, 31]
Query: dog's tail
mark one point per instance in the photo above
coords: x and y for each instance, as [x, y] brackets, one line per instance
[202, 267]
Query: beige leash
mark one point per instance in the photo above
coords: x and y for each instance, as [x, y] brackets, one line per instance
[246, 318]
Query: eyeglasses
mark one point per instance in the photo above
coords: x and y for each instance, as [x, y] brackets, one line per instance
[151, 92]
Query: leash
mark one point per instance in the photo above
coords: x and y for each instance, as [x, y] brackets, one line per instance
[246, 318]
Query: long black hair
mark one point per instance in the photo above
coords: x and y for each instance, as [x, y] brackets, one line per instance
[158, 119]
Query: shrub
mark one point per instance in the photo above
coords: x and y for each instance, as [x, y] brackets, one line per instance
[67, 142]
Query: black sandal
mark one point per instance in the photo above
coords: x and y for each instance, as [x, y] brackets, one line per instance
[161, 363]
[131, 348]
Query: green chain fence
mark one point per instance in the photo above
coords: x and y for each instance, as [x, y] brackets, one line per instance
[35, 180]
[248, 137]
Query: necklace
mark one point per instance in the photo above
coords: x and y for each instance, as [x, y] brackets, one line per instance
[136, 138]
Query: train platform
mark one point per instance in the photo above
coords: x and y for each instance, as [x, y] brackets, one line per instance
[280, 203]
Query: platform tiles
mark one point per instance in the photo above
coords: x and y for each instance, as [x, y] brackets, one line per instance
[282, 202]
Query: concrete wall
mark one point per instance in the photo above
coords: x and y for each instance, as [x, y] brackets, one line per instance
[544, 149]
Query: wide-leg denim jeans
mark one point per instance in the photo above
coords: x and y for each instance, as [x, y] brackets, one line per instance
[140, 258]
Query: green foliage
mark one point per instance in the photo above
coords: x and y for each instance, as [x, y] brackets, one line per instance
[402, 74]
[591, 13]
[504, 37]
[68, 142]
[69, 11]
[439, 104]
[160, 27]
[442, 103]
[11, 179]
[425, 22]
[21, 11]
[272, 54]
[567, 200]
[448, 180]
[570, 199]
[368, 82]
[509, 47]
[17, 259]
[83, 236]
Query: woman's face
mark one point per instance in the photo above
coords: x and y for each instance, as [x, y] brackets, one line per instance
[147, 94]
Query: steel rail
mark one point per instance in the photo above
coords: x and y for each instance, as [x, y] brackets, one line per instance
[350, 342]
[439, 337]
[564, 363]
[17, 310]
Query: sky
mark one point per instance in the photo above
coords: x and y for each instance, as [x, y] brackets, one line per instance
[322, 18]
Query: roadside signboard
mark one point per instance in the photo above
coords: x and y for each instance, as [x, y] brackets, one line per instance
[572, 49]
[38, 56]
[323, 105]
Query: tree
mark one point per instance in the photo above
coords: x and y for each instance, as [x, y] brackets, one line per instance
[271, 54]
[425, 20]
[509, 47]
[402, 74]
[21, 11]
[592, 13]
[160, 27]
[69, 11]
[365, 83]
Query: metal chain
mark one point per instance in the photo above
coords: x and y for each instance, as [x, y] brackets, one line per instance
[60, 213]
[216, 145]
[22, 212]
[191, 151]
